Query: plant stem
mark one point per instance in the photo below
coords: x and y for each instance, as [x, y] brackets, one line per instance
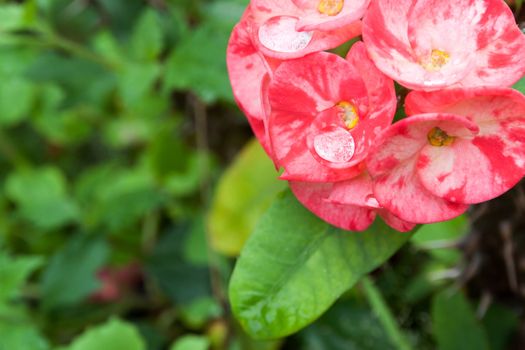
[52, 40]
[79, 51]
[383, 313]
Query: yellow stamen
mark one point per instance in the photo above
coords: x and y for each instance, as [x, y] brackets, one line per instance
[330, 7]
[439, 138]
[437, 60]
[349, 114]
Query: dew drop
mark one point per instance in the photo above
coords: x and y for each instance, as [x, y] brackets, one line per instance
[279, 34]
[335, 145]
[372, 202]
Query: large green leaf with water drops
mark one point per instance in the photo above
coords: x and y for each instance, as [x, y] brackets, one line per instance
[295, 266]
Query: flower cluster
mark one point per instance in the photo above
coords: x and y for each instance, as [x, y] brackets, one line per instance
[328, 121]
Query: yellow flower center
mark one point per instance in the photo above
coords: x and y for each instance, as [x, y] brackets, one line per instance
[330, 7]
[437, 60]
[439, 138]
[348, 114]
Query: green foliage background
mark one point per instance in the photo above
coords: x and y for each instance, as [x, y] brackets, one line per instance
[122, 204]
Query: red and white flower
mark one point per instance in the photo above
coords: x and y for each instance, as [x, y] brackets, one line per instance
[326, 113]
[461, 147]
[327, 120]
[433, 44]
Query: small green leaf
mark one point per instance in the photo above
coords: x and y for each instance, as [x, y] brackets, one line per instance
[71, 274]
[13, 273]
[21, 336]
[182, 282]
[295, 266]
[14, 17]
[112, 335]
[199, 64]
[147, 40]
[136, 81]
[244, 193]
[454, 323]
[196, 314]
[16, 100]
[36, 191]
[116, 197]
[191, 342]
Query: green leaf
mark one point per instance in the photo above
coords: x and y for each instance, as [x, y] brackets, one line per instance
[21, 336]
[244, 193]
[520, 85]
[181, 281]
[136, 81]
[112, 335]
[16, 100]
[116, 197]
[455, 325]
[147, 39]
[16, 17]
[16, 330]
[191, 342]
[500, 323]
[36, 191]
[346, 326]
[199, 64]
[13, 274]
[196, 314]
[436, 238]
[295, 266]
[106, 45]
[71, 274]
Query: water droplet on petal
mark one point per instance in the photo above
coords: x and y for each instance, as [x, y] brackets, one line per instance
[372, 202]
[279, 34]
[335, 145]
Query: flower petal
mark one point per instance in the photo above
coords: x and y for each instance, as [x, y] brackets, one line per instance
[351, 12]
[459, 43]
[487, 165]
[275, 31]
[392, 165]
[358, 191]
[395, 222]
[303, 125]
[247, 70]
[348, 217]
[382, 100]
[401, 193]
[385, 33]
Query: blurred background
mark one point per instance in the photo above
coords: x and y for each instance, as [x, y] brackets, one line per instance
[129, 184]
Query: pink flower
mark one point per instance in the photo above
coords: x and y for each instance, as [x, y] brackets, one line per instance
[287, 29]
[462, 147]
[433, 44]
[326, 113]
